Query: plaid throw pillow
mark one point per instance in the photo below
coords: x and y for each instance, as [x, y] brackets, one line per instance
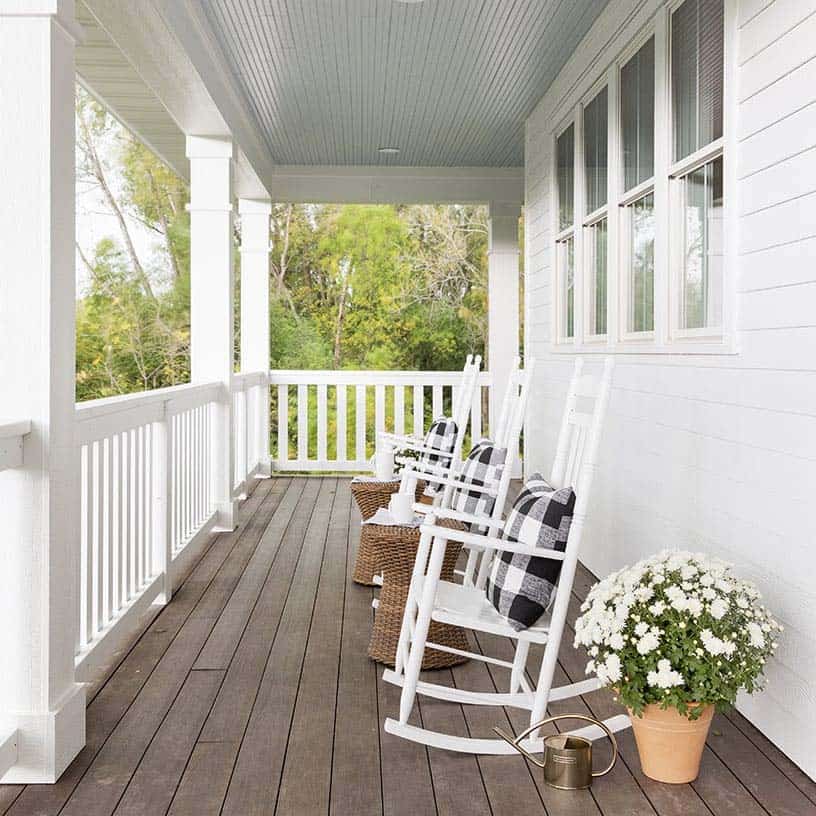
[520, 586]
[482, 468]
[441, 436]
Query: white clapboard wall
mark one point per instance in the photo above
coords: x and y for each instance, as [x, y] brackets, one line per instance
[714, 452]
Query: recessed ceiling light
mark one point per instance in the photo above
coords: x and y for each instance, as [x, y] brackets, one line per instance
[388, 151]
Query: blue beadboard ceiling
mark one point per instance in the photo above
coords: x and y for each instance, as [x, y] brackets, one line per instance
[449, 82]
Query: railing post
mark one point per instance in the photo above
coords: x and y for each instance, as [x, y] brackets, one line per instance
[161, 486]
[211, 298]
[40, 699]
[502, 302]
[255, 315]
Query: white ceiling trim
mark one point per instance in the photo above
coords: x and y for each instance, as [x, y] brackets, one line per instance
[396, 185]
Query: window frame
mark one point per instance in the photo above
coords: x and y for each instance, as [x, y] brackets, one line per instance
[626, 198]
[589, 220]
[562, 236]
[666, 185]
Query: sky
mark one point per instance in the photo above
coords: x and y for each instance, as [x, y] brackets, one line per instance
[95, 221]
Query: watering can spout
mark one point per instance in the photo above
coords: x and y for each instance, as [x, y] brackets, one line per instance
[523, 751]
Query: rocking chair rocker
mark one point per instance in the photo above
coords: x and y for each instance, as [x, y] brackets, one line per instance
[466, 606]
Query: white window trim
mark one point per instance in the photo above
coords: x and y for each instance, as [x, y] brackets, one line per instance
[667, 337]
[559, 302]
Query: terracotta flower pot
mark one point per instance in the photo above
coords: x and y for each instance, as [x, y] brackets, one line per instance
[670, 745]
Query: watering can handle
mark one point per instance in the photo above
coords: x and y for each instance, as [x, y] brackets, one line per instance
[516, 742]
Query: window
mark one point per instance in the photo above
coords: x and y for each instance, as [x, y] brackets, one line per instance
[567, 252]
[637, 116]
[566, 187]
[597, 266]
[701, 285]
[697, 80]
[596, 118]
[697, 75]
[565, 245]
[641, 250]
[640, 220]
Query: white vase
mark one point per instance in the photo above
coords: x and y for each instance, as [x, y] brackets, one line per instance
[384, 464]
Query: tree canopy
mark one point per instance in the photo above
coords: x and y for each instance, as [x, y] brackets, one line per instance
[352, 286]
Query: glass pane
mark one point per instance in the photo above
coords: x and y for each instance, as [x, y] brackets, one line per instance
[565, 148]
[637, 116]
[701, 303]
[597, 245]
[697, 75]
[566, 255]
[641, 265]
[595, 120]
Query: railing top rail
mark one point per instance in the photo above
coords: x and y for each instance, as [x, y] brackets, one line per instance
[10, 428]
[360, 377]
[250, 378]
[93, 409]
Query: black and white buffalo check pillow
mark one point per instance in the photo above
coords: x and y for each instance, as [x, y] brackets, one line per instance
[441, 436]
[482, 468]
[520, 586]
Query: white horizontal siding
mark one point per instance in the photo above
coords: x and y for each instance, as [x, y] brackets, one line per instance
[714, 452]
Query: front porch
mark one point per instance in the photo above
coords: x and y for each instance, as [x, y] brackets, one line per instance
[251, 692]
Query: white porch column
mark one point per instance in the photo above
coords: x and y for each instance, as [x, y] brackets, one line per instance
[502, 299]
[211, 296]
[255, 309]
[39, 537]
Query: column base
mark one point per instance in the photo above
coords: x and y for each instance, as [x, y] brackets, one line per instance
[47, 742]
[264, 470]
[226, 515]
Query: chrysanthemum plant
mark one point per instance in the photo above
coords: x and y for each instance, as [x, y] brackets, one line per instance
[679, 630]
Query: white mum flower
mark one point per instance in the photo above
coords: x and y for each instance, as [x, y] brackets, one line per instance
[641, 629]
[657, 608]
[616, 641]
[718, 608]
[648, 643]
[613, 668]
[756, 635]
[665, 677]
[694, 606]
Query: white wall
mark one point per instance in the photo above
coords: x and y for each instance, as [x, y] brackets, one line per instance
[714, 452]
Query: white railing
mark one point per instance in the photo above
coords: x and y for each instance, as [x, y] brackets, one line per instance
[328, 420]
[250, 411]
[11, 443]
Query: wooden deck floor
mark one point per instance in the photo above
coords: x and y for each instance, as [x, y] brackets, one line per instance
[251, 693]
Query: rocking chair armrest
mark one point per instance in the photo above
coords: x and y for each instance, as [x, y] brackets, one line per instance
[484, 542]
[397, 439]
[456, 515]
[421, 447]
[447, 481]
[421, 470]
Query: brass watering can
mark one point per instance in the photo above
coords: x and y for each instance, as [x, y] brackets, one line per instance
[567, 759]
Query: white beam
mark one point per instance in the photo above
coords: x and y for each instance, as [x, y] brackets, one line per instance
[396, 185]
[502, 299]
[39, 603]
[255, 307]
[211, 299]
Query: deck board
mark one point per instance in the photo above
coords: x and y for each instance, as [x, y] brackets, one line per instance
[251, 693]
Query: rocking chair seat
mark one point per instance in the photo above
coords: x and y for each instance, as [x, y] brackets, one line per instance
[467, 606]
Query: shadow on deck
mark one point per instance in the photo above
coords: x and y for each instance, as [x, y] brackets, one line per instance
[251, 693]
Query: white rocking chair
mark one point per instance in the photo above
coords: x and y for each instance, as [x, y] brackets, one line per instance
[511, 421]
[462, 402]
[466, 605]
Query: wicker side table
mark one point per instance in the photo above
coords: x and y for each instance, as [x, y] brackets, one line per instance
[396, 549]
[370, 497]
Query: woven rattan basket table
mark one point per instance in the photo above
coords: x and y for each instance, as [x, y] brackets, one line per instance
[370, 497]
[395, 548]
